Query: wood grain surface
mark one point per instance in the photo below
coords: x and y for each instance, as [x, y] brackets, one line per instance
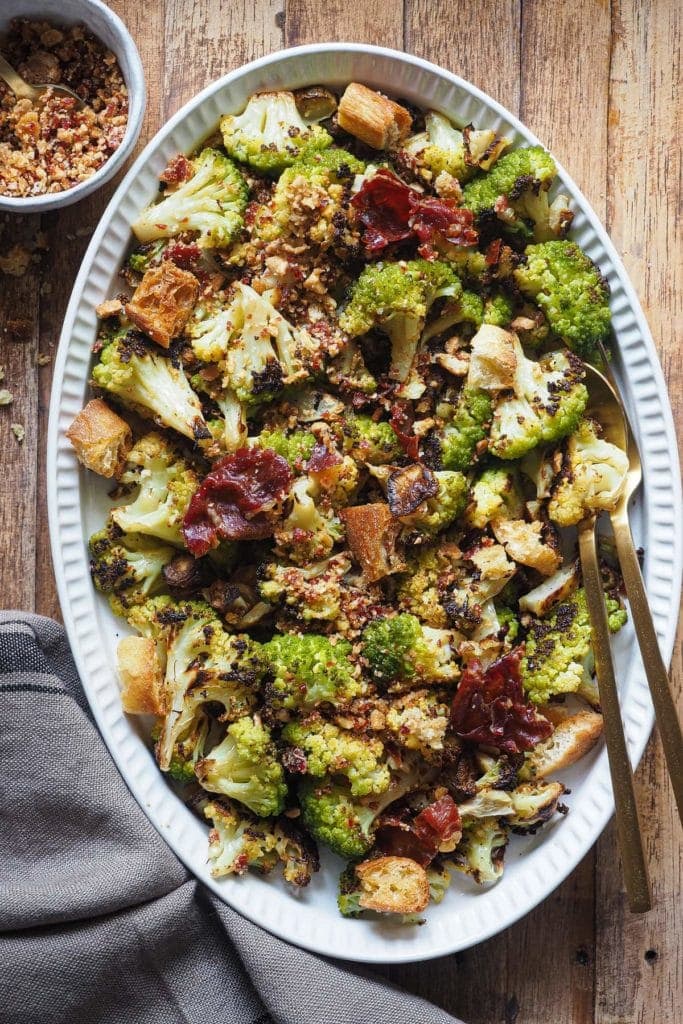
[600, 84]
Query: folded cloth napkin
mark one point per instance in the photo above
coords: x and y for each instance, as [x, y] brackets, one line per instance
[99, 922]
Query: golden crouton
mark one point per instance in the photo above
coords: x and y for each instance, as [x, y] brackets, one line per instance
[374, 119]
[162, 303]
[573, 737]
[393, 885]
[493, 359]
[100, 438]
[371, 532]
[142, 680]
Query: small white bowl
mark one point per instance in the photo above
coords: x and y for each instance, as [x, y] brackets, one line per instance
[109, 28]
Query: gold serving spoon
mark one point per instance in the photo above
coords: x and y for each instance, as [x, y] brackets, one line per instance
[608, 409]
[23, 90]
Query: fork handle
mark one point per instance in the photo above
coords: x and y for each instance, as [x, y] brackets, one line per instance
[628, 826]
[655, 670]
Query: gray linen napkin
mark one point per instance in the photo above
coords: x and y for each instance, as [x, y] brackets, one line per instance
[99, 922]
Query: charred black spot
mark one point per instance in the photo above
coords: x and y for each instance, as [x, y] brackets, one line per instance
[269, 380]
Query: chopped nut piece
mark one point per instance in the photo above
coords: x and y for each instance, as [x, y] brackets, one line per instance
[162, 303]
[18, 431]
[100, 438]
[141, 677]
[373, 118]
[16, 262]
[110, 307]
[42, 359]
[6, 397]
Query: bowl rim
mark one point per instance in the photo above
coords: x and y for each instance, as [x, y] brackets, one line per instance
[137, 100]
[603, 805]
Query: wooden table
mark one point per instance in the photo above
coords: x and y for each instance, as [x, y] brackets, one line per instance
[600, 84]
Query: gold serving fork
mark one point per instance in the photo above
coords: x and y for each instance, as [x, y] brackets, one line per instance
[608, 409]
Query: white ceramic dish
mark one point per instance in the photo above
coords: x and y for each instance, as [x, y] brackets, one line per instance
[77, 504]
[108, 27]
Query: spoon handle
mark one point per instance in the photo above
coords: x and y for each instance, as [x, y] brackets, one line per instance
[628, 826]
[655, 670]
[16, 83]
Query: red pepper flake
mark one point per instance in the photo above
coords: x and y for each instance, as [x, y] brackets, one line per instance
[489, 707]
[402, 419]
[229, 503]
[391, 212]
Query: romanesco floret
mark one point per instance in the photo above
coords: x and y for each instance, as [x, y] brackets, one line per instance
[239, 842]
[313, 592]
[308, 670]
[150, 382]
[591, 479]
[309, 202]
[570, 290]
[441, 147]
[128, 565]
[439, 512]
[481, 850]
[369, 441]
[617, 616]
[244, 767]
[495, 494]
[309, 532]
[558, 656]
[270, 133]
[212, 203]
[401, 649]
[548, 401]
[516, 190]
[418, 590]
[330, 750]
[418, 720]
[335, 819]
[465, 429]
[295, 446]
[396, 298]
[166, 483]
[498, 310]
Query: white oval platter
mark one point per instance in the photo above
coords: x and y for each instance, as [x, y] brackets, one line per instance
[78, 502]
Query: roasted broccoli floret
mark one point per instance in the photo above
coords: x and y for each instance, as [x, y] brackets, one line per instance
[516, 191]
[344, 823]
[309, 531]
[244, 767]
[127, 564]
[238, 841]
[495, 494]
[591, 479]
[396, 298]
[255, 349]
[401, 649]
[314, 593]
[145, 379]
[329, 750]
[369, 441]
[295, 446]
[498, 310]
[418, 720]
[350, 892]
[270, 133]
[166, 483]
[465, 429]
[419, 588]
[308, 670]
[441, 147]
[547, 402]
[481, 850]
[436, 513]
[309, 202]
[211, 203]
[570, 290]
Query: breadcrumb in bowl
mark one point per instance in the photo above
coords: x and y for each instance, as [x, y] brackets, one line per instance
[52, 154]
